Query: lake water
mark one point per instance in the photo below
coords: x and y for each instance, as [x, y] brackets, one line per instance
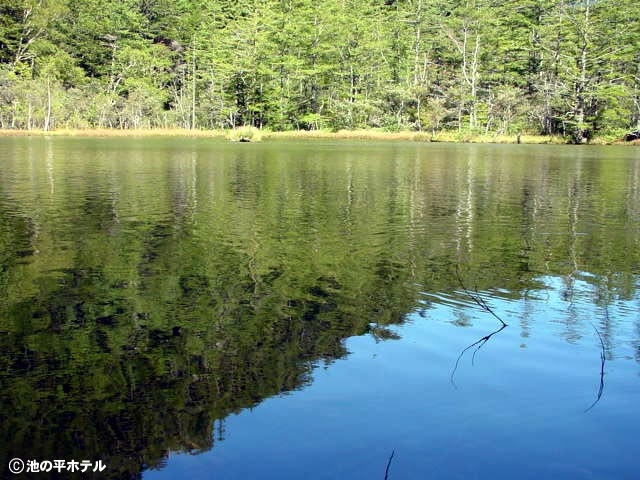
[183, 308]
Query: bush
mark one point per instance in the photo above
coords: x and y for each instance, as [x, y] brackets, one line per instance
[245, 134]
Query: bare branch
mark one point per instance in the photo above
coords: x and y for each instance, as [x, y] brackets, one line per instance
[602, 362]
[477, 298]
[480, 343]
[386, 473]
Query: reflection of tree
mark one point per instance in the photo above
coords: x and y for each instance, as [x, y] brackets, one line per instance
[126, 363]
[164, 292]
[102, 380]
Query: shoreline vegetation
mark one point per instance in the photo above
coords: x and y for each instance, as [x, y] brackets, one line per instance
[249, 134]
[467, 70]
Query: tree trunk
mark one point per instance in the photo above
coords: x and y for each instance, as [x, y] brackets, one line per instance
[193, 84]
[580, 134]
[474, 84]
[47, 119]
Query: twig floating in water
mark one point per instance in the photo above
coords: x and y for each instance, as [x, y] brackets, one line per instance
[602, 362]
[386, 472]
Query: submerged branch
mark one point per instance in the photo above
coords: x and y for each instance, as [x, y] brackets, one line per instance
[479, 344]
[386, 472]
[602, 362]
[477, 298]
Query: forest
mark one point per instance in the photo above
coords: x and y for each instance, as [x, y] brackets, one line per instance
[550, 67]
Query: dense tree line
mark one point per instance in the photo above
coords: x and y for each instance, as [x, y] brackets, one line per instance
[542, 66]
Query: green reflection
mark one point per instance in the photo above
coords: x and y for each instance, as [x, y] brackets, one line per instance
[155, 286]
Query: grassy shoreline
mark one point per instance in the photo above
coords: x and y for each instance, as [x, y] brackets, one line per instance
[443, 136]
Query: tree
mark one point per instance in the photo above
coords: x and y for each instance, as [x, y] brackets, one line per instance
[566, 67]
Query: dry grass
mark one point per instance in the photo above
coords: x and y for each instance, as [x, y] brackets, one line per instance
[114, 132]
[245, 134]
[351, 135]
[256, 135]
[616, 142]
[443, 136]
[470, 138]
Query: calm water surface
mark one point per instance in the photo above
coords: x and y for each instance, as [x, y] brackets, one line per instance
[195, 309]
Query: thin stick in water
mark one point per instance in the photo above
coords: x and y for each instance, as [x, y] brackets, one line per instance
[477, 298]
[602, 362]
[479, 344]
[386, 472]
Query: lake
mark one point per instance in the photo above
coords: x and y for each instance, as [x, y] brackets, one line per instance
[190, 308]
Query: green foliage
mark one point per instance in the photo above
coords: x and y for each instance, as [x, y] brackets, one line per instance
[545, 66]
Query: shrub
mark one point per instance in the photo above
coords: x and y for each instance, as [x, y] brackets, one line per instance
[245, 134]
